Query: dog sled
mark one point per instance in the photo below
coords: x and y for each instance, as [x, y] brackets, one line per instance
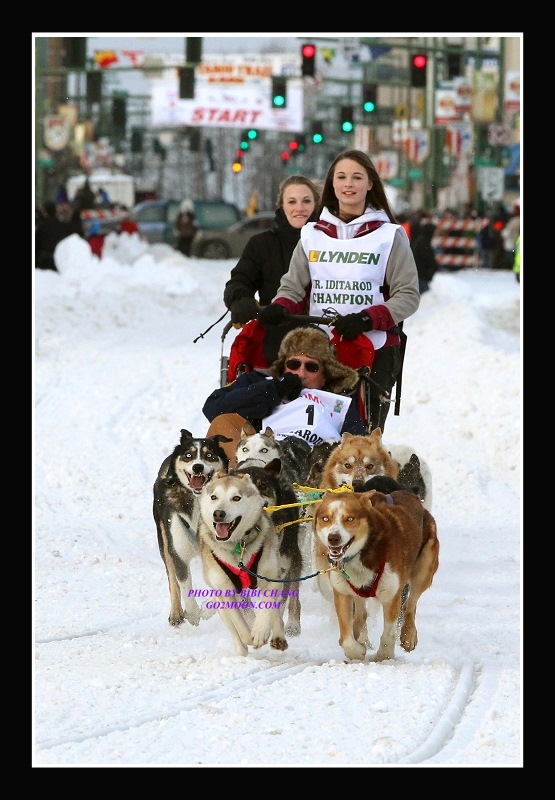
[246, 353]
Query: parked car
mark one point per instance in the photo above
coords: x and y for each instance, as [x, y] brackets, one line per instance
[229, 243]
[156, 218]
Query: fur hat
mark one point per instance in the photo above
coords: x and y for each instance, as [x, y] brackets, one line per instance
[314, 342]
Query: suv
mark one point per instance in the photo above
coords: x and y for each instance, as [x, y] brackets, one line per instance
[156, 218]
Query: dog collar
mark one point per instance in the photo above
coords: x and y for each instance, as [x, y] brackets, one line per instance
[241, 579]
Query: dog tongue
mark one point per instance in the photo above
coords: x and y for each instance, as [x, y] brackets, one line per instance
[196, 481]
[223, 530]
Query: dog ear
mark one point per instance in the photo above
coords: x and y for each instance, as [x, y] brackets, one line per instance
[346, 436]
[185, 435]
[219, 437]
[376, 434]
[269, 432]
[247, 429]
[273, 466]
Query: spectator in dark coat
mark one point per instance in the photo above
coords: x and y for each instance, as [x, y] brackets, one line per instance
[266, 258]
[48, 233]
[424, 255]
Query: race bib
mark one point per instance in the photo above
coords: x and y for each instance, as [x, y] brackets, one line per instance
[314, 416]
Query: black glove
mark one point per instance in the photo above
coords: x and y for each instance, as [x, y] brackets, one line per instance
[274, 314]
[244, 309]
[351, 325]
[289, 386]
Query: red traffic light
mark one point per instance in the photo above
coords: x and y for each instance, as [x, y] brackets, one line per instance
[293, 145]
[419, 61]
[308, 58]
[285, 156]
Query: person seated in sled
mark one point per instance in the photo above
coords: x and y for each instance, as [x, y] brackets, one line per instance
[306, 393]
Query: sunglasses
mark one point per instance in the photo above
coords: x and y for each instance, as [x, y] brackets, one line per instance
[310, 366]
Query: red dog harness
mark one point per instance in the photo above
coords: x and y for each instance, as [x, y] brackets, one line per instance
[239, 578]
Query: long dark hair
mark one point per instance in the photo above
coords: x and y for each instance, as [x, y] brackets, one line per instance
[375, 197]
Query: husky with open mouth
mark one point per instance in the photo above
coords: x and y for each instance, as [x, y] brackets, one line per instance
[181, 478]
[374, 545]
[240, 556]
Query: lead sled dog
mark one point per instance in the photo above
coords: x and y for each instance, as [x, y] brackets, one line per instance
[239, 550]
[176, 492]
[376, 544]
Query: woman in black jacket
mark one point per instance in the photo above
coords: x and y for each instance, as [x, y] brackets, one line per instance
[266, 258]
[424, 255]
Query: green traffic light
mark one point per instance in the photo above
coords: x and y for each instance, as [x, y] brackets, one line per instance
[252, 133]
[347, 126]
[369, 106]
[244, 145]
[317, 138]
[279, 100]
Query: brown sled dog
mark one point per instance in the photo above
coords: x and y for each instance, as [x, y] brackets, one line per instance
[377, 543]
[356, 459]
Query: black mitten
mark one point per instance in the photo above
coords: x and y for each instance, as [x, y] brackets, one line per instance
[243, 310]
[289, 386]
[274, 314]
[351, 325]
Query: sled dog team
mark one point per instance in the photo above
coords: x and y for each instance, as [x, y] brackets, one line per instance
[372, 536]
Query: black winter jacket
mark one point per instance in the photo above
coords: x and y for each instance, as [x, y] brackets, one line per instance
[423, 251]
[254, 397]
[264, 260]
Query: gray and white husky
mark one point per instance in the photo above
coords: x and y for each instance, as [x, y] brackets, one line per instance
[239, 550]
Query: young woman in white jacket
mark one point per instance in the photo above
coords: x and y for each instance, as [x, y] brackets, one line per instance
[354, 261]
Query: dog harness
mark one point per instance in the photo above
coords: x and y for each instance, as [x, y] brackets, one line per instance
[370, 589]
[239, 578]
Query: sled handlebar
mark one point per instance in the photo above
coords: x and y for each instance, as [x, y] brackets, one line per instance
[328, 319]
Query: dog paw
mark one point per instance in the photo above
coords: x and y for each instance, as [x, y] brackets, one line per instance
[355, 651]
[260, 633]
[206, 613]
[279, 643]
[193, 615]
[293, 629]
[176, 619]
[408, 638]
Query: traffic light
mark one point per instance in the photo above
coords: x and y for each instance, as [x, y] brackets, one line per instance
[75, 52]
[119, 112]
[244, 144]
[418, 65]
[369, 98]
[454, 65]
[237, 165]
[136, 140]
[94, 87]
[193, 50]
[308, 54]
[346, 121]
[279, 92]
[186, 83]
[252, 134]
[317, 132]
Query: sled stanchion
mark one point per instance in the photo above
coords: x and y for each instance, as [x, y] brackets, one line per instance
[224, 360]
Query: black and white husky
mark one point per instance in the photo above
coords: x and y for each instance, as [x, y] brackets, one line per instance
[177, 489]
[239, 550]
